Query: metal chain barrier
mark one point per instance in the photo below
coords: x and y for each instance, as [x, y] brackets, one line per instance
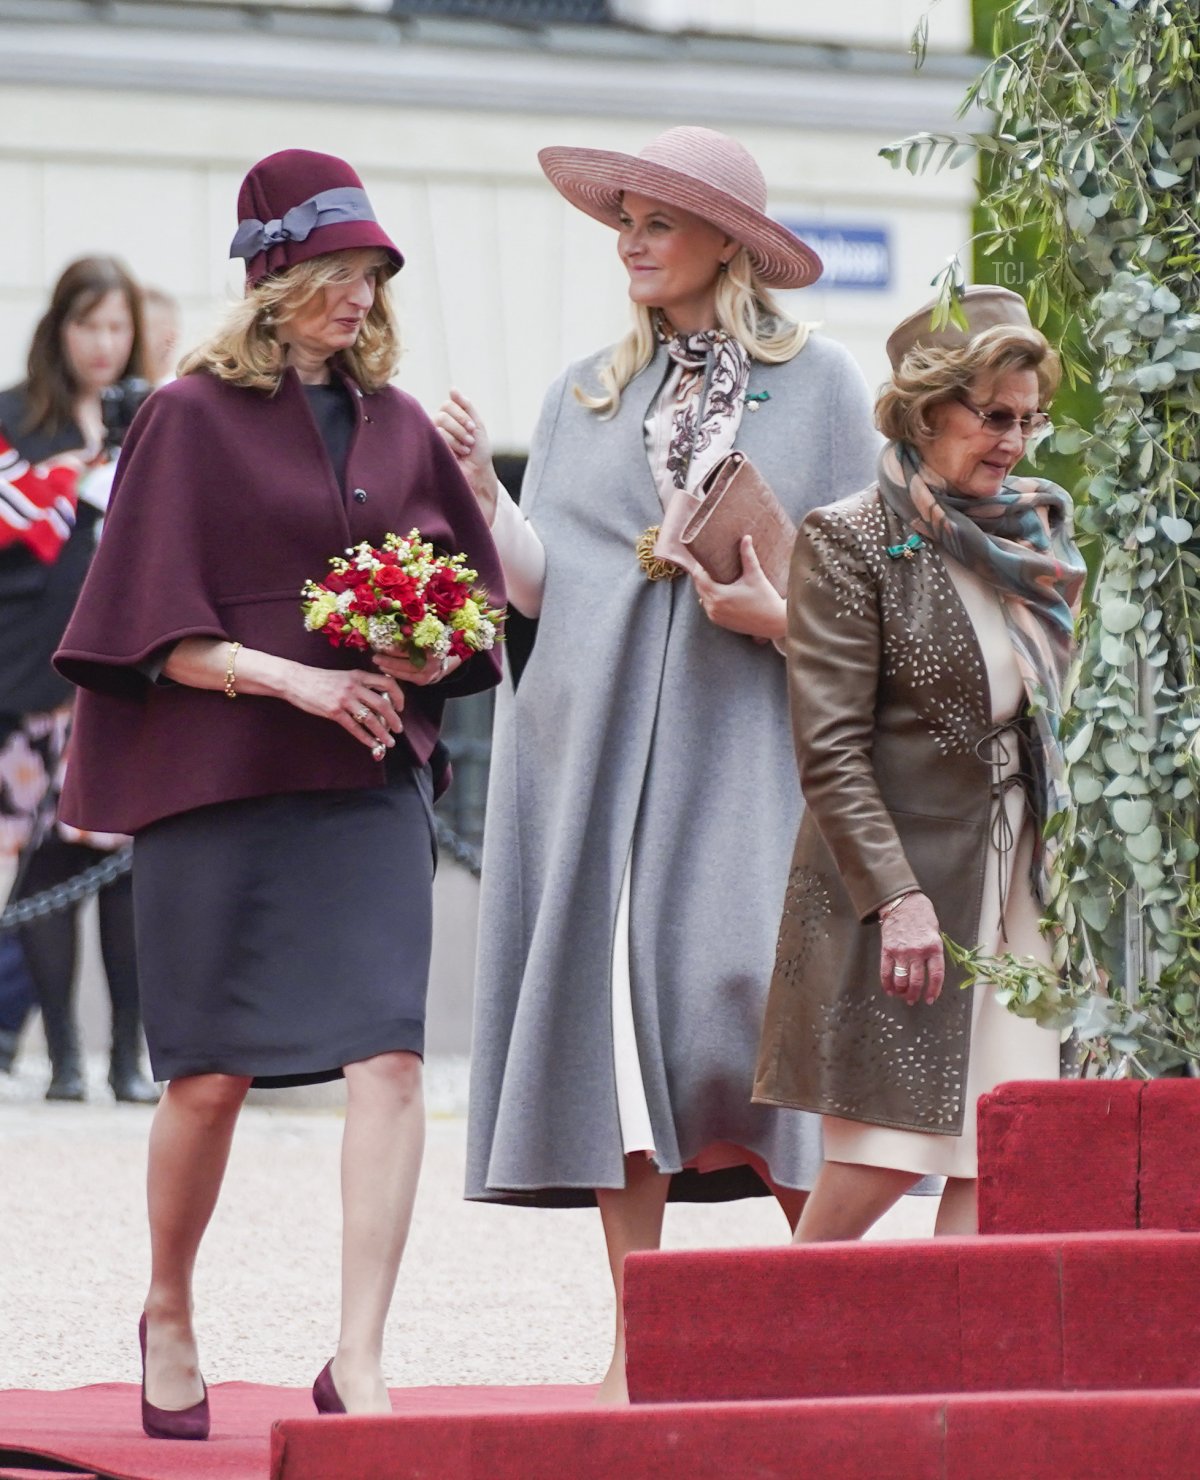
[458, 848]
[69, 892]
[92, 880]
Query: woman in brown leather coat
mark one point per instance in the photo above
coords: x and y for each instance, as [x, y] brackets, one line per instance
[925, 614]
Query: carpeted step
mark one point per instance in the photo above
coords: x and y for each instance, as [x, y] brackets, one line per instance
[46, 1474]
[1010, 1436]
[1088, 1155]
[97, 1428]
[948, 1315]
[1168, 1185]
[1071, 1436]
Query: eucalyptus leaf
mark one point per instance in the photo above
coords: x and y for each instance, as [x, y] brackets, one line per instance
[1146, 846]
[1120, 615]
[1095, 162]
[1095, 911]
[1119, 758]
[1115, 651]
[1147, 875]
[1133, 816]
[1077, 747]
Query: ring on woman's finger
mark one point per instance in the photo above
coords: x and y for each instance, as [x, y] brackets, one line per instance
[360, 716]
[900, 971]
[378, 752]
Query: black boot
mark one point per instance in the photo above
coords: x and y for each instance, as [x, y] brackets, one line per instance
[66, 1065]
[49, 947]
[125, 1076]
[8, 1050]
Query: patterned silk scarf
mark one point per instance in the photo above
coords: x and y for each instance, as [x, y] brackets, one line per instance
[1020, 542]
[693, 424]
[705, 425]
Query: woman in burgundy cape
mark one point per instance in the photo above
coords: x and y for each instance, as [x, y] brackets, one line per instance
[279, 790]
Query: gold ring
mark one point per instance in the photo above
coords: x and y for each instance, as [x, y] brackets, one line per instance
[360, 716]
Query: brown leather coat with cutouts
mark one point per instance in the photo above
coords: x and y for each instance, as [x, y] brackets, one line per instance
[890, 709]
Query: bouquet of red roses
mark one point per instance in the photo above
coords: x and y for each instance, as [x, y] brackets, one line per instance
[402, 597]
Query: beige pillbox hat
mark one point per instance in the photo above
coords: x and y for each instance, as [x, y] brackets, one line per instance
[984, 307]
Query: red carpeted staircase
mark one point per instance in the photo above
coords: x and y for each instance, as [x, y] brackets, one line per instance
[1046, 1350]
[1087, 1154]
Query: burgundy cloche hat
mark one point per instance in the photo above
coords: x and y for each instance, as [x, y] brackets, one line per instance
[700, 170]
[985, 308]
[296, 205]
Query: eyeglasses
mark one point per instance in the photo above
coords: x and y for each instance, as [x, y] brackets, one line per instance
[1000, 423]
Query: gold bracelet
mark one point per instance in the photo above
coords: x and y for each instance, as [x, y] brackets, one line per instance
[886, 908]
[230, 681]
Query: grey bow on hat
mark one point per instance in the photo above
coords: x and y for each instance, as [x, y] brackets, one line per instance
[327, 208]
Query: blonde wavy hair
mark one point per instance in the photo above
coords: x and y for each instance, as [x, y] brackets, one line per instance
[931, 375]
[745, 310]
[246, 350]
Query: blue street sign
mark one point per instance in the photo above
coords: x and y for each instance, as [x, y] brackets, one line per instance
[855, 257]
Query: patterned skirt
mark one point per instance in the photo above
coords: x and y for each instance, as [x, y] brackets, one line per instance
[32, 747]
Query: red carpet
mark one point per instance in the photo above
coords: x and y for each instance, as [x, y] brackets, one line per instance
[1014, 1436]
[949, 1315]
[100, 1426]
[1088, 1155]
[554, 1433]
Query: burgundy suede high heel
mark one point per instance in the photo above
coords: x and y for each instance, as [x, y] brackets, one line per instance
[325, 1394]
[171, 1423]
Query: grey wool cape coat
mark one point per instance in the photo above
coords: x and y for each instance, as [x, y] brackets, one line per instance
[640, 731]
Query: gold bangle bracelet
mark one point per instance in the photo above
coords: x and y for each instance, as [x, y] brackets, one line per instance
[886, 908]
[230, 679]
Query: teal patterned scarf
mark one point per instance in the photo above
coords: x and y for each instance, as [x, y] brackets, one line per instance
[1020, 541]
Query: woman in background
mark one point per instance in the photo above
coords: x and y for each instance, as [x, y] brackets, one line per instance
[54, 448]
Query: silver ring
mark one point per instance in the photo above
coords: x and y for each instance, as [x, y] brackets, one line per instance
[900, 971]
[359, 716]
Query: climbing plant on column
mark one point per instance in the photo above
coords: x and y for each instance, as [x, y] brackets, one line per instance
[1095, 146]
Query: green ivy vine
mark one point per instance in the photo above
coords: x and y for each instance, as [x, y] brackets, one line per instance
[1095, 149]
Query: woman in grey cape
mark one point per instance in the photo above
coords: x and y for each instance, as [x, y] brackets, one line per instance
[643, 800]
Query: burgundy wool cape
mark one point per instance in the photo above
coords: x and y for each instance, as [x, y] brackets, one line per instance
[225, 502]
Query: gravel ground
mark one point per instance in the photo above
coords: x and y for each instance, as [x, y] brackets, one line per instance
[486, 1295]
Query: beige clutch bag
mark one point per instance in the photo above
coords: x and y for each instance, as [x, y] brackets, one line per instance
[736, 500]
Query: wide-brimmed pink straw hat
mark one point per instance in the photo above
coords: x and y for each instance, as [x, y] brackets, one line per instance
[699, 170]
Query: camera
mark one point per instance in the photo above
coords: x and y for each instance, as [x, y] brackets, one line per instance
[119, 405]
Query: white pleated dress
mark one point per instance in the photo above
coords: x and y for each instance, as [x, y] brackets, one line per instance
[1003, 1046]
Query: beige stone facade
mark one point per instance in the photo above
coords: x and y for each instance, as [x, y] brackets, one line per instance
[131, 136]
[127, 129]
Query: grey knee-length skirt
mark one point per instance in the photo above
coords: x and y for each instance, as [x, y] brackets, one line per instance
[283, 937]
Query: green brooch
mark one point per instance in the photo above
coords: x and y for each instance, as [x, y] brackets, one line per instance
[754, 399]
[908, 549]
